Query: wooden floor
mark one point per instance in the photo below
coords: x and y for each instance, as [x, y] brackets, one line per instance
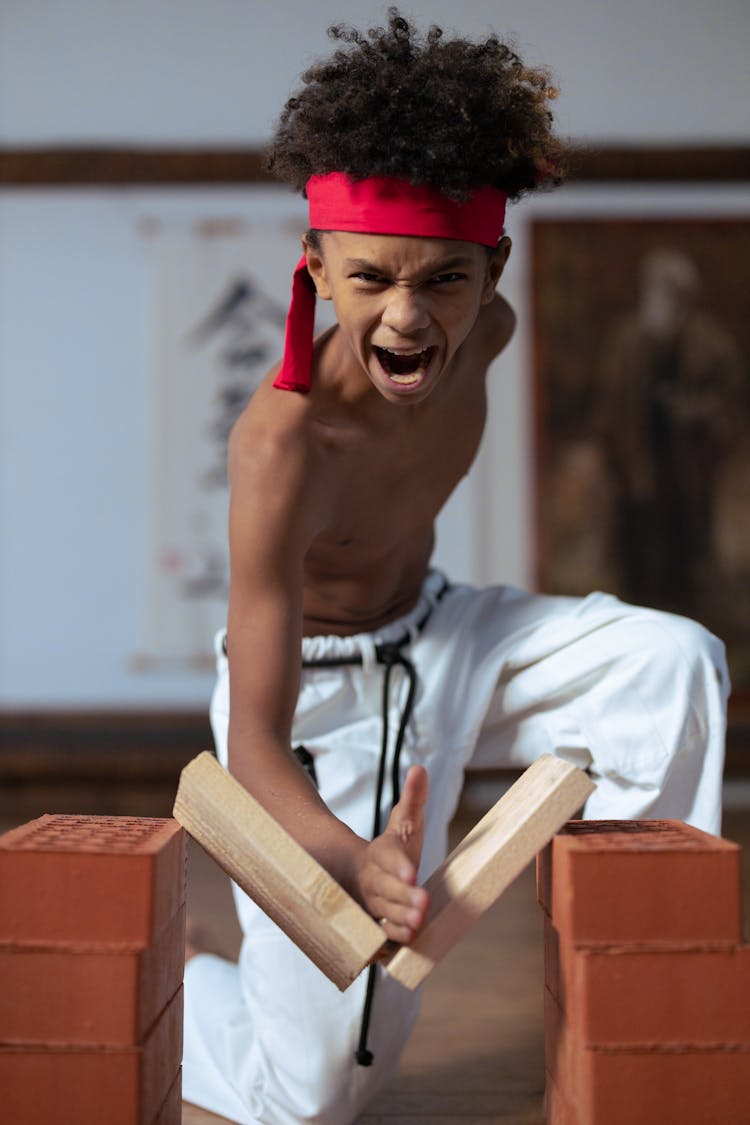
[477, 1054]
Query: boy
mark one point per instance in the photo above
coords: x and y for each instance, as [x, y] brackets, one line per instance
[407, 149]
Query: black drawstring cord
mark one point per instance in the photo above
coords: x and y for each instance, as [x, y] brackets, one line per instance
[398, 657]
[388, 654]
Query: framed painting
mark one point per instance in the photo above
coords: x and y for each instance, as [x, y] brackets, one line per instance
[642, 405]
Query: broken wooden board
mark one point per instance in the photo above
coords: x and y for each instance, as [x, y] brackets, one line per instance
[317, 913]
[276, 872]
[488, 859]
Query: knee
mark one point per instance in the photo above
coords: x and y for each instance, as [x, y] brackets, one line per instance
[696, 655]
[681, 675]
[664, 684]
[663, 747]
[666, 642]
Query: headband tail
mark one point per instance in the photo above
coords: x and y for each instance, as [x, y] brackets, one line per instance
[296, 366]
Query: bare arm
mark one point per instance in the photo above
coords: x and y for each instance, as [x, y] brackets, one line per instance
[279, 500]
[274, 514]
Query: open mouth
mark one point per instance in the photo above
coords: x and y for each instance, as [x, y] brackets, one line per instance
[405, 368]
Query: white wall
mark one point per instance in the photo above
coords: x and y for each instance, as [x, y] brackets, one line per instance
[218, 70]
[74, 289]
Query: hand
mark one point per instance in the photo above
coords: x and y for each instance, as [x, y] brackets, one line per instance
[389, 865]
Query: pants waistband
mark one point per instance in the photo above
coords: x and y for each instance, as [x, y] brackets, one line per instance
[362, 647]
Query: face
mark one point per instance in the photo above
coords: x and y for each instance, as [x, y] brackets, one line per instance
[404, 305]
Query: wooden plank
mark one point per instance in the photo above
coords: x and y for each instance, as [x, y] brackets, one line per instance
[489, 858]
[276, 872]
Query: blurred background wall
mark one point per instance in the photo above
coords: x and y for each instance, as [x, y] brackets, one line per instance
[76, 465]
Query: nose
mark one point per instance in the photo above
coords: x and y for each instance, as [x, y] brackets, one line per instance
[406, 311]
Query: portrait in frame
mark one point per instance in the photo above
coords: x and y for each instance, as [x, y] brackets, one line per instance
[641, 330]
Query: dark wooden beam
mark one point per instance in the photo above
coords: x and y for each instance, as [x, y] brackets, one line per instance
[110, 167]
[152, 746]
[99, 745]
[662, 164]
[88, 166]
[124, 763]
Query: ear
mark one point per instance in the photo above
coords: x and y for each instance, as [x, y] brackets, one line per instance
[316, 267]
[495, 266]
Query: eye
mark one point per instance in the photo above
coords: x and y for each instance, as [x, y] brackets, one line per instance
[447, 278]
[368, 278]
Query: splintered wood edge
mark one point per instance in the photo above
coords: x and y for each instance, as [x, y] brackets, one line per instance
[276, 872]
[489, 858]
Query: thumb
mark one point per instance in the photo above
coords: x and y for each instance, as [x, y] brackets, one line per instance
[414, 794]
[407, 818]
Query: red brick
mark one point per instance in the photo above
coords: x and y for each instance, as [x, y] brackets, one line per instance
[666, 995]
[107, 995]
[558, 1112]
[553, 979]
[679, 1088]
[90, 879]
[89, 1086]
[658, 1086]
[556, 1037]
[544, 874]
[614, 882]
[171, 1109]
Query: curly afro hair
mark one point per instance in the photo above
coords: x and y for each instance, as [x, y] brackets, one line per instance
[450, 113]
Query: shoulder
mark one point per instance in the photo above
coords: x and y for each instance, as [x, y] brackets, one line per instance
[275, 467]
[495, 326]
[274, 425]
[276, 422]
[500, 322]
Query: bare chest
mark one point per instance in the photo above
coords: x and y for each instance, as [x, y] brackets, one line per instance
[388, 490]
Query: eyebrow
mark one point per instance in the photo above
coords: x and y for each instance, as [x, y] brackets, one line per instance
[460, 260]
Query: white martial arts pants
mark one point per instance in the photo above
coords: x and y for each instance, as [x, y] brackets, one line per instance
[635, 696]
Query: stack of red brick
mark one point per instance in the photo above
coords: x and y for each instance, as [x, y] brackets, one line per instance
[92, 946]
[647, 984]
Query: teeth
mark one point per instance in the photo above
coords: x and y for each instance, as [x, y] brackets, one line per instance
[405, 367]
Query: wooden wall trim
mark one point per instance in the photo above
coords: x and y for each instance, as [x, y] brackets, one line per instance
[83, 166]
[112, 167]
[153, 746]
[660, 164]
[91, 746]
[118, 763]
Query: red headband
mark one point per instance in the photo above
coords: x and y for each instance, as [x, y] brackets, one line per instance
[377, 206]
